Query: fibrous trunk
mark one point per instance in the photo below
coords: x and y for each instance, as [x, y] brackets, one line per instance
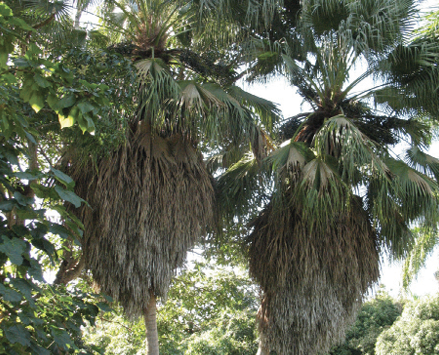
[149, 203]
[313, 281]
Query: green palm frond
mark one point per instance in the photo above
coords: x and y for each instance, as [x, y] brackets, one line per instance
[258, 13]
[157, 86]
[50, 18]
[369, 25]
[413, 76]
[404, 198]
[417, 192]
[324, 15]
[290, 156]
[341, 139]
[393, 228]
[225, 156]
[426, 240]
[424, 162]
[321, 193]
[241, 189]
[267, 112]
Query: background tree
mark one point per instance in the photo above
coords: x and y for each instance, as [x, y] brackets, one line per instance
[209, 310]
[415, 332]
[374, 317]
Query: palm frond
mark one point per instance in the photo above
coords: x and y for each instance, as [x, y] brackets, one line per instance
[267, 111]
[242, 187]
[151, 200]
[405, 197]
[290, 156]
[417, 192]
[426, 240]
[313, 279]
[423, 162]
[341, 139]
[156, 87]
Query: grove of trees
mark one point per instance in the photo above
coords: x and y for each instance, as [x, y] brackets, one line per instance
[126, 144]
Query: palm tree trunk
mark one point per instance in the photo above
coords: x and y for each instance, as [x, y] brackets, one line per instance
[152, 338]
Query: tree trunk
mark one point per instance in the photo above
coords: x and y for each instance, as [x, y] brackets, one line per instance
[70, 268]
[152, 338]
[262, 350]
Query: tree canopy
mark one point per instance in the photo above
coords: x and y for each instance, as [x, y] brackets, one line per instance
[415, 332]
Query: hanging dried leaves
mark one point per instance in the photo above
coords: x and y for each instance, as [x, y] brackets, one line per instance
[313, 280]
[150, 201]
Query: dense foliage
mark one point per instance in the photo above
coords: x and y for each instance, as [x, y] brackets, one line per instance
[415, 332]
[36, 92]
[374, 317]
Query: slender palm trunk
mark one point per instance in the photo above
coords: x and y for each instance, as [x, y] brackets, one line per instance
[152, 338]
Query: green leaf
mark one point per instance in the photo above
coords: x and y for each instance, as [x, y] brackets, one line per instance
[104, 307]
[18, 334]
[3, 57]
[69, 196]
[7, 205]
[23, 200]
[36, 101]
[39, 350]
[13, 248]
[61, 338]
[66, 121]
[9, 78]
[60, 230]
[28, 214]
[35, 270]
[64, 178]
[90, 124]
[25, 288]
[85, 106]
[108, 298]
[21, 23]
[9, 295]
[5, 10]
[26, 91]
[67, 101]
[41, 81]
[52, 100]
[26, 176]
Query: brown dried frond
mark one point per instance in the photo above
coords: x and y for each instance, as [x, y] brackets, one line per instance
[313, 282]
[150, 201]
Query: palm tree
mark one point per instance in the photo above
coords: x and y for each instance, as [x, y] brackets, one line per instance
[153, 198]
[339, 194]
